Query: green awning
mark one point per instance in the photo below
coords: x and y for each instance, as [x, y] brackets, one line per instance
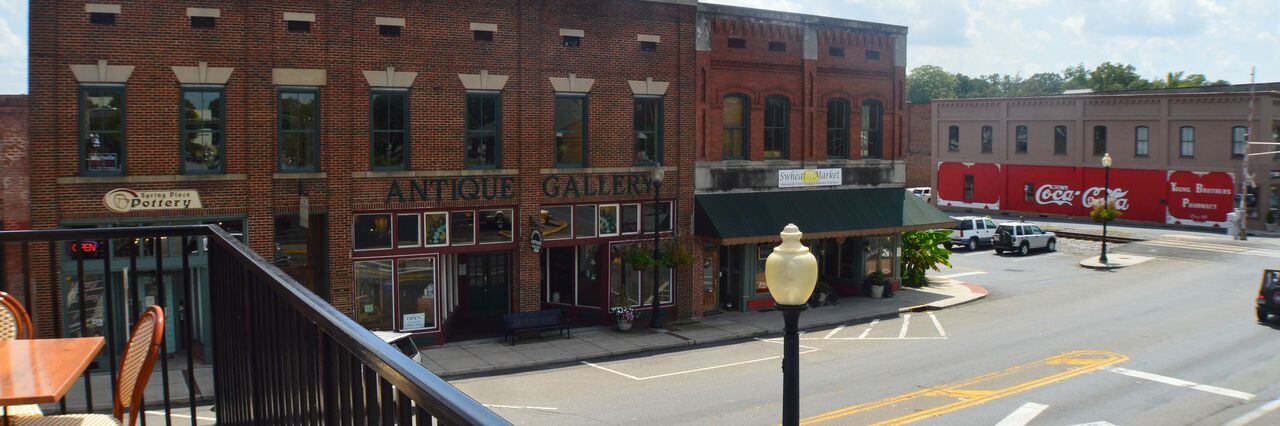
[750, 217]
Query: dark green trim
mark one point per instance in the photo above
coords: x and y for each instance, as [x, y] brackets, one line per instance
[746, 128]
[819, 213]
[497, 134]
[586, 108]
[373, 129]
[785, 107]
[182, 130]
[82, 130]
[657, 148]
[315, 153]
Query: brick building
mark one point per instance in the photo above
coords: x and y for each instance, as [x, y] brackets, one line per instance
[919, 141]
[800, 119]
[15, 192]
[1177, 153]
[395, 158]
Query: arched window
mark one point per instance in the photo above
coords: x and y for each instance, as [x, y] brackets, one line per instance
[1187, 141]
[1099, 140]
[1238, 141]
[987, 135]
[777, 126]
[1060, 140]
[1020, 137]
[872, 128]
[1141, 141]
[734, 143]
[838, 128]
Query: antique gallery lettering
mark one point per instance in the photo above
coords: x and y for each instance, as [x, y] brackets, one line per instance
[588, 185]
[453, 189]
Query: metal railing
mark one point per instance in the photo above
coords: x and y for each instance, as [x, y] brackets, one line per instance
[280, 354]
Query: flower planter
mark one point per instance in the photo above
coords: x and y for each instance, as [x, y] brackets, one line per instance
[624, 325]
[877, 291]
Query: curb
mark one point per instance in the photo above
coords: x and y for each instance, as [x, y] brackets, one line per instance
[978, 292]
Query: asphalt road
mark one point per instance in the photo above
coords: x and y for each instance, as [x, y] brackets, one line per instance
[1170, 341]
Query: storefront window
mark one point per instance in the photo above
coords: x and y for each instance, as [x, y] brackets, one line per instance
[437, 229]
[495, 226]
[407, 234]
[663, 215]
[416, 281]
[560, 275]
[462, 227]
[664, 286]
[762, 254]
[555, 222]
[623, 285]
[584, 221]
[372, 231]
[373, 294]
[608, 220]
[630, 222]
[589, 275]
[880, 254]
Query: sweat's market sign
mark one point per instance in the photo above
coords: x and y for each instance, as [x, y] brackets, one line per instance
[124, 200]
[809, 177]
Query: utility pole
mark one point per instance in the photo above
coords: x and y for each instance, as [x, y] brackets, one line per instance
[1243, 212]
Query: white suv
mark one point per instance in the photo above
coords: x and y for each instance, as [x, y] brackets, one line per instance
[1021, 238]
[925, 193]
[972, 231]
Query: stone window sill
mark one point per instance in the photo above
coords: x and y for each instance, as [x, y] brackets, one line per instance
[77, 180]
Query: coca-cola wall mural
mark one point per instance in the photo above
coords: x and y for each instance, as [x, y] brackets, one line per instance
[986, 181]
[1186, 198]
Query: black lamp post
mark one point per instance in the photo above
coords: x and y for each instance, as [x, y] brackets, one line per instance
[655, 321]
[791, 272]
[1106, 203]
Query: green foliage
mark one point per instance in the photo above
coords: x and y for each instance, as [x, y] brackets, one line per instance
[877, 278]
[639, 257]
[1104, 212]
[922, 251]
[929, 82]
[674, 254]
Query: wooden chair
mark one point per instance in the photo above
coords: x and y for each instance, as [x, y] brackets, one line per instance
[14, 321]
[135, 369]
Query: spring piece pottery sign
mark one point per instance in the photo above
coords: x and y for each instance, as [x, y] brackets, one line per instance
[124, 200]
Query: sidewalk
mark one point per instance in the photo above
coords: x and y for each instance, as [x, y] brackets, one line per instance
[487, 356]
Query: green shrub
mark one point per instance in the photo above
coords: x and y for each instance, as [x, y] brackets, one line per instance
[922, 251]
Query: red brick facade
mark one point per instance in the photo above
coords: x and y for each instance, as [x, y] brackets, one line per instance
[436, 42]
[15, 190]
[919, 132]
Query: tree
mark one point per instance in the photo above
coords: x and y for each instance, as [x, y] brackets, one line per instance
[1109, 77]
[929, 82]
[1075, 77]
[1042, 83]
[922, 251]
[970, 87]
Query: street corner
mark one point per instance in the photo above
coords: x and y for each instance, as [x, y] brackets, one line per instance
[958, 292]
[1114, 261]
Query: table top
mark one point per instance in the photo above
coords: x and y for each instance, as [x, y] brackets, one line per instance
[40, 371]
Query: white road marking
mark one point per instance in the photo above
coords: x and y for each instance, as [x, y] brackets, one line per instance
[906, 320]
[1256, 414]
[834, 331]
[1042, 256]
[973, 253]
[938, 325]
[1102, 423]
[1023, 414]
[808, 349]
[161, 414]
[962, 274]
[1183, 383]
[520, 407]
[868, 330]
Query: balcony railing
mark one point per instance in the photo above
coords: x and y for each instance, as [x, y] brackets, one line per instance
[279, 354]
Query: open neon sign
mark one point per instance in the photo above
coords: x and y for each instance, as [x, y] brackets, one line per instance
[85, 248]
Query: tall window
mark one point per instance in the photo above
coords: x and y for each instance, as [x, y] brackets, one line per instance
[1141, 141]
[987, 136]
[953, 139]
[1020, 137]
[1187, 145]
[484, 125]
[838, 128]
[390, 118]
[1060, 140]
[102, 130]
[734, 121]
[968, 187]
[299, 131]
[202, 119]
[1099, 140]
[648, 127]
[872, 128]
[1238, 142]
[777, 123]
[571, 130]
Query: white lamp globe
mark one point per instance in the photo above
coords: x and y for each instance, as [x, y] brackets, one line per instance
[791, 271]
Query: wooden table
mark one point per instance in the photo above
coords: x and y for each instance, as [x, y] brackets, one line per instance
[41, 371]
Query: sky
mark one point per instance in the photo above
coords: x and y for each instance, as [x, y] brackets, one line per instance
[1218, 38]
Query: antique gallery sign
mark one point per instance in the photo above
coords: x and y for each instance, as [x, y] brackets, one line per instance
[808, 177]
[588, 185]
[124, 200]
[452, 189]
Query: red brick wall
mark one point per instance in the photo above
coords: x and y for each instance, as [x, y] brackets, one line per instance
[919, 143]
[15, 191]
[436, 43]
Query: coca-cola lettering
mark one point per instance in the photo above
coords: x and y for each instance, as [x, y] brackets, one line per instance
[1061, 195]
[1093, 196]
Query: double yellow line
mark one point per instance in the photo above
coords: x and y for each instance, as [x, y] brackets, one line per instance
[968, 393]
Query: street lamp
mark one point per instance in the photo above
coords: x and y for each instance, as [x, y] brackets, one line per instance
[655, 320]
[1106, 203]
[791, 272]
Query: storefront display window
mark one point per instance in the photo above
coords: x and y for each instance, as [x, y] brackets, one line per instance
[628, 287]
[437, 229]
[880, 253]
[373, 294]
[584, 221]
[462, 228]
[608, 220]
[372, 231]
[555, 222]
[407, 233]
[663, 215]
[495, 226]
[416, 284]
[630, 221]
[762, 254]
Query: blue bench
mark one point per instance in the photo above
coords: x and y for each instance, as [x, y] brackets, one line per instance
[551, 319]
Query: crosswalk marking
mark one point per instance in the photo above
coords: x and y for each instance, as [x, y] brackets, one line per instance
[906, 320]
[1023, 414]
[1216, 248]
[902, 334]
[1183, 383]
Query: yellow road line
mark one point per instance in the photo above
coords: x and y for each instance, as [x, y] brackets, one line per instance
[1078, 362]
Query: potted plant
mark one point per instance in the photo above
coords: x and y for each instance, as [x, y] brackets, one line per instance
[625, 315]
[823, 294]
[876, 282]
[1104, 212]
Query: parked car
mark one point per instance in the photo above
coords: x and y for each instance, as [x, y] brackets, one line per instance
[1021, 238]
[924, 192]
[971, 232]
[402, 343]
[1269, 295]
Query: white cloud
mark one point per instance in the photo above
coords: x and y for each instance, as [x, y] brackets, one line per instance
[13, 58]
